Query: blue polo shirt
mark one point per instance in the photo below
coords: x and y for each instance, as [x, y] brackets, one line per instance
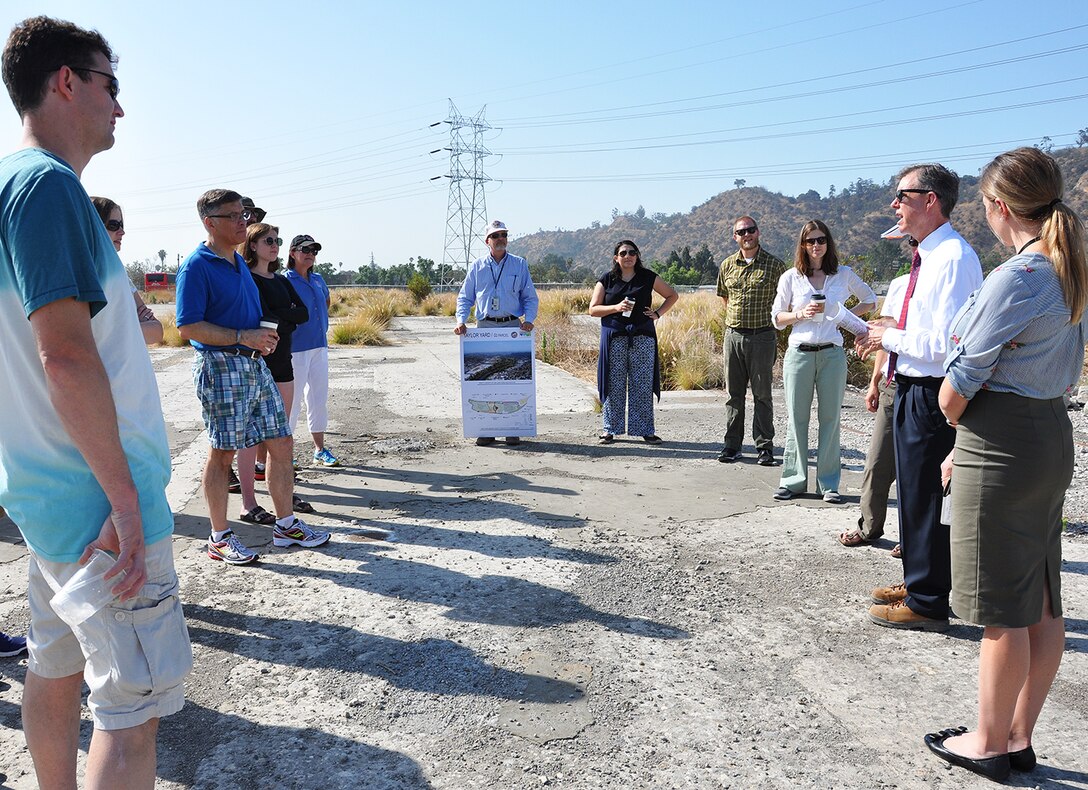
[314, 294]
[218, 291]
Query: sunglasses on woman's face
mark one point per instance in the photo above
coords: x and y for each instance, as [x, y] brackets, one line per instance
[272, 241]
[114, 225]
[308, 250]
[627, 254]
[821, 240]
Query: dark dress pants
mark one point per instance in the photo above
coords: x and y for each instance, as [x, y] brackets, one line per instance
[923, 439]
[749, 359]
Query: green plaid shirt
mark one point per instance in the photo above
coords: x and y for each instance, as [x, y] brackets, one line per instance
[749, 289]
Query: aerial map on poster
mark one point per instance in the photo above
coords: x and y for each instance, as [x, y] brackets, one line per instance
[498, 383]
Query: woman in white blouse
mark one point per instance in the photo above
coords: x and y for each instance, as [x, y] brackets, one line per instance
[811, 299]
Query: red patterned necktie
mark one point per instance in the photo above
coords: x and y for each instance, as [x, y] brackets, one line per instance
[915, 265]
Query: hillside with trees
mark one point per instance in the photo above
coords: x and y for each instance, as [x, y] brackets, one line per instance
[687, 248]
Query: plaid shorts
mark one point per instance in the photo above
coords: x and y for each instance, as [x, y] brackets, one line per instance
[240, 401]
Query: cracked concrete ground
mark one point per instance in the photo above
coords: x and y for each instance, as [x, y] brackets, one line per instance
[558, 615]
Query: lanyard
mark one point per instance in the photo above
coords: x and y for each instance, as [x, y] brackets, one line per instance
[495, 279]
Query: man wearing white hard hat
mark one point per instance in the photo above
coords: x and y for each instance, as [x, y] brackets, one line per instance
[501, 288]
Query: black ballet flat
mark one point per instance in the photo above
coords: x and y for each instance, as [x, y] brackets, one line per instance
[1023, 760]
[995, 768]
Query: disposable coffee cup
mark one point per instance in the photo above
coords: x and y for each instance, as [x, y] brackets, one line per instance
[820, 301]
[273, 325]
[627, 313]
[87, 591]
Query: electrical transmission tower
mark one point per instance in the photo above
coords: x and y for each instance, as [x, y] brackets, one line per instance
[467, 212]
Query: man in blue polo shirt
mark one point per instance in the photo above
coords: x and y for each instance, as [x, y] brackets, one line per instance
[219, 312]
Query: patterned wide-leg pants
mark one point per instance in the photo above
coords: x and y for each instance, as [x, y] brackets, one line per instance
[630, 385]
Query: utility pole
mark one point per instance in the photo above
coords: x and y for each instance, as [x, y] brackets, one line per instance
[466, 215]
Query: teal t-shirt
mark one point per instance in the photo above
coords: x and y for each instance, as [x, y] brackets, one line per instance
[54, 246]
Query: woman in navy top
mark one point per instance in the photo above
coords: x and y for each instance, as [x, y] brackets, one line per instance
[281, 303]
[1017, 346]
[628, 373]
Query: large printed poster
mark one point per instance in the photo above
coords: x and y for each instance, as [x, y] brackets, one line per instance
[498, 383]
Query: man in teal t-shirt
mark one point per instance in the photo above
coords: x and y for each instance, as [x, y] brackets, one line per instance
[84, 460]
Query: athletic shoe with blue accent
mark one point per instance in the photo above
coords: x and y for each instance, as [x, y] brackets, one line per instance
[11, 645]
[325, 458]
[231, 550]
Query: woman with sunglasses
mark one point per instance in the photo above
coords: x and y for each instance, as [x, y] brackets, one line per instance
[628, 373]
[111, 216]
[811, 300]
[1017, 347]
[310, 354]
[281, 302]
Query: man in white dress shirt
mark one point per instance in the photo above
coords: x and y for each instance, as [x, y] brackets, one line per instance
[946, 272]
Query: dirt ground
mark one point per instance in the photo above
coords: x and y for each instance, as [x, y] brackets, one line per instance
[558, 615]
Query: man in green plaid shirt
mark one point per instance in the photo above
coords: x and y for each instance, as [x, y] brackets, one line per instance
[747, 283]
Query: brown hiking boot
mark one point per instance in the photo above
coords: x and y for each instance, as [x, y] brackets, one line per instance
[897, 592]
[899, 615]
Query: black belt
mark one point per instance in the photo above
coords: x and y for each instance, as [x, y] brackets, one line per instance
[503, 320]
[811, 347]
[928, 381]
[744, 331]
[239, 352]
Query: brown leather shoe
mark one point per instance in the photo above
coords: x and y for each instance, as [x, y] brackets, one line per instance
[899, 615]
[885, 595]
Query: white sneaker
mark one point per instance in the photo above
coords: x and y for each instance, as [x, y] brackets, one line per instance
[231, 550]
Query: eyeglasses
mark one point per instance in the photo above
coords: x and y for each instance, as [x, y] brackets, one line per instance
[746, 231]
[903, 193]
[272, 241]
[234, 216]
[310, 249]
[113, 87]
[627, 254]
[821, 240]
[114, 225]
[497, 236]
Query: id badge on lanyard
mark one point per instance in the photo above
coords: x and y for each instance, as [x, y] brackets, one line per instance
[494, 305]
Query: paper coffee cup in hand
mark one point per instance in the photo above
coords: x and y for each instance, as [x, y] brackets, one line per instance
[270, 325]
[87, 591]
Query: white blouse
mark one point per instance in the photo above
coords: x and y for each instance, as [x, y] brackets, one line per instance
[795, 291]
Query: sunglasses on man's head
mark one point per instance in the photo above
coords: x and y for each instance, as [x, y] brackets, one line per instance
[272, 241]
[114, 225]
[746, 231]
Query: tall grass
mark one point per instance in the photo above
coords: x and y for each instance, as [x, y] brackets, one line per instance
[170, 335]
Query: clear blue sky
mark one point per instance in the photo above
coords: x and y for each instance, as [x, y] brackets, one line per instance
[321, 111]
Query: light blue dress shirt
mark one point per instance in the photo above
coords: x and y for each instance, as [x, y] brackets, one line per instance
[1014, 335]
[508, 279]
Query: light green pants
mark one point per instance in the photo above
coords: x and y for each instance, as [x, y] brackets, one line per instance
[805, 372]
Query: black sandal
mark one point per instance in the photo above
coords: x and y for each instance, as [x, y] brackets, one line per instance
[300, 505]
[258, 516]
[606, 438]
[652, 439]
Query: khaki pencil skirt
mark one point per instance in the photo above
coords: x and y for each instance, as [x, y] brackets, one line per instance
[1013, 464]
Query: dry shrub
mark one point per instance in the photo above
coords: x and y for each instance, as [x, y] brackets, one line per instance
[170, 334]
[432, 305]
[447, 303]
[159, 296]
[690, 357]
[557, 304]
[359, 330]
[344, 301]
